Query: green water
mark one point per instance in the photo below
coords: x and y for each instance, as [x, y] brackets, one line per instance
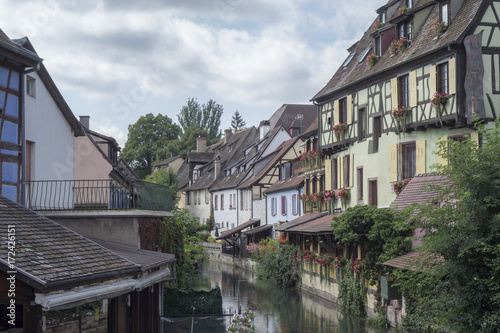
[277, 310]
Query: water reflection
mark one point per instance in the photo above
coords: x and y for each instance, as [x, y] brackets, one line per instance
[277, 311]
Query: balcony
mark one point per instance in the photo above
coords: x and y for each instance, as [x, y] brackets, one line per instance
[104, 194]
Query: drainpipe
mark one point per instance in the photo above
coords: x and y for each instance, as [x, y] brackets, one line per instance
[23, 132]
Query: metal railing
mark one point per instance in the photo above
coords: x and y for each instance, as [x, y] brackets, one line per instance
[103, 194]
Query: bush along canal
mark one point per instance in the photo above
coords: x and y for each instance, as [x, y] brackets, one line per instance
[275, 309]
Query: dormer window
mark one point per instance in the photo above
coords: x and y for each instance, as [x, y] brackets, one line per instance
[404, 29]
[409, 3]
[382, 17]
[444, 12]
[378, 46]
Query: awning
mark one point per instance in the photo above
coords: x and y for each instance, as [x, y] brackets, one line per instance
[319, 225]
[299, 220]
[71, 298]
[258, 230]
[238, 229]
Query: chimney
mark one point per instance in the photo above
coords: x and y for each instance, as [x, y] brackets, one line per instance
[264, 128]
[201, 145]
[216, 166]
[85, 121]
[227, 135]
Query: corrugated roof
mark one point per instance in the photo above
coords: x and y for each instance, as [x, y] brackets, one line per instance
[147, 259]
[48, 253]
[239, 228]
[304, 218]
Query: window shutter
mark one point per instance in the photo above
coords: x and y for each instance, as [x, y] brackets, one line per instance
[394, 93]
[413, 89]
[432, 81]
[440, 159]
[351, 170]
[452, 79]
[393, 162]
[420, 147]
[336, 112]
[349, 110]
[340, 170]
[283, 205]
[328, 174]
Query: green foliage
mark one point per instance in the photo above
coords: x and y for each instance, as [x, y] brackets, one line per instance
[276, 262]
[178, 235]
[206, 116]
[237, 121]
[462, 293]
[385, 232]
[166, 177]
[145, 138]
[186, 144]
[352, 294]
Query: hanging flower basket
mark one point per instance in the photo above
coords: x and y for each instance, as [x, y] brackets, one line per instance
[439, 28]
[340, 130]
[330, 201]
[439, 101]
[344, 195]
[400, 114]
[399, 45]
[372, 59]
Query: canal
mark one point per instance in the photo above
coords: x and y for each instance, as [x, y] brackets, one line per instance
[277, 311]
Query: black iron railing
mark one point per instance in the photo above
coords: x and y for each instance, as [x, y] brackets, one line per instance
[43, 195]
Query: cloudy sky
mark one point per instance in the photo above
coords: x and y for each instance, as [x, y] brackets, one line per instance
[116, 60]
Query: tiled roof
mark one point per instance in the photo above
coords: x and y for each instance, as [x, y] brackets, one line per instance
[299, 220]
[423, 43]
[183, 176]
[281, 151]
[17, 52]
[417, 192]
[414, 261]
[287, 184]
[196, 157]
[286, 114]
[258, 230]
[48, 253]
[146, 259]
[167, 161]
[321, 224]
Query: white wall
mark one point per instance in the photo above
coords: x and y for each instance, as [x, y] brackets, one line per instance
[52, 156]
[271, 219]
[278, 139]
[222, 217]
[202, 210]
[259, 211]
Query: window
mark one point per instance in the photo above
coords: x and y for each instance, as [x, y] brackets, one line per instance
[346, 170]
[442, 78]
[295, 131]
[348, 60]
[404, 91]
[283, 205]
[314, 182]
[222, 202]
[343, 110]
[360, 184]
[308, 186]
[273, 206]
[362, 124]
[382, 16]
[207, 197]
[30, 86]
[321, 183]
[198, 195]
[188, 198]
[372, 192]
[377, 132]
[409, 3]
[285, 171]
[404, 29]
[409, 159]
[378, 46]
[216, 202]
[295, 204]
[29, 160]
[334, 173]
[444, 13]
[230, 201]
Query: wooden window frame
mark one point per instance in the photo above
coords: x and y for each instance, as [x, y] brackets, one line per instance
[343, 110]
[295, 204]
[442, 78]
[335, 180]
[359, 181]
[283, 205]
[372, 192]
[404, 90]
[347, 170]
[405, 172]
[444, 17]
[377, 132]
[362, 124]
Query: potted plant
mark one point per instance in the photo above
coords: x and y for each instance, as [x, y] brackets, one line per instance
[344, 195]
[372, 59]
[402, 10]
[377, 25]
[339, 130]
[398, 186]
[399, 115]
[439, 101]
[439, 28]
[330, 201]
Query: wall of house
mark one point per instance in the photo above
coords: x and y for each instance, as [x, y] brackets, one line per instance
[259, 211]
[385, 166]
[52, 151]
[245, 214]
[288, 216]
[199, 209]
[89, 162]
[279, 138]
[228, 217]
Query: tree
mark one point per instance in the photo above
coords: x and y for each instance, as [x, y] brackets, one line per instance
[462, 230]
[237, 121]
[145, 138]
[207, 116]
[186, 144]
[166, 177]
